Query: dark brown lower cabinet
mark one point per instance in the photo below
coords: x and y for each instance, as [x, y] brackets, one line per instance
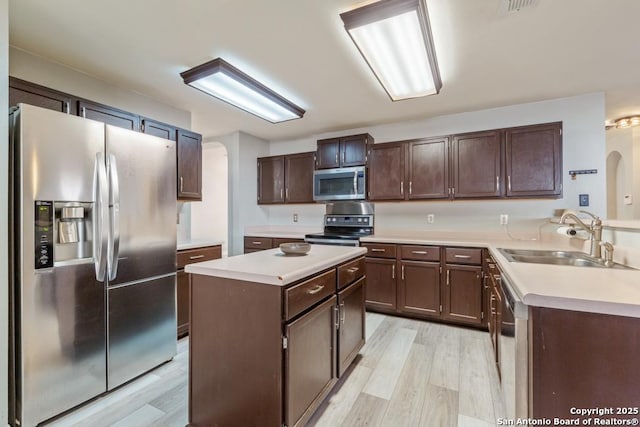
[310, 361]
[352, 326]
[183, 293]
[583, 360]
[463, 294]
[267, 355]
[419, 288]
[381, 283]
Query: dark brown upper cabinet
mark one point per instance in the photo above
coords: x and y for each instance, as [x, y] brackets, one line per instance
[386, 171]
[299, 177]
[428, 168]
[108, 115]
[189, 165]
[534, 160]
[271, 180]
[159, 129]
[21, 91]
[343, 152]
[477, 165]
[286, 179]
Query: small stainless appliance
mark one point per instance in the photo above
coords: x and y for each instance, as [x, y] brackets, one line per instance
[514, 366]
[92, 259]
[340, 184]
[344, 224]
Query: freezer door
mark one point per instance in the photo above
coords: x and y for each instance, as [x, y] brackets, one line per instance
[143, 204]
[58, 328]
[142, 328]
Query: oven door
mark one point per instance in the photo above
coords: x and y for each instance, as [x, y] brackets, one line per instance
[339, 184]
[333, 242]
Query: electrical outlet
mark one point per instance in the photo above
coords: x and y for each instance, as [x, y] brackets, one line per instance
[295, 217]
[431, 218]
[504, 219]
[583, 199]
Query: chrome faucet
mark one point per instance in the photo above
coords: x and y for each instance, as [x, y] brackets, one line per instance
[595, 230]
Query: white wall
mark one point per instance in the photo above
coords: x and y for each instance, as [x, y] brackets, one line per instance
[26, 66]
[209, 218]
[583, 148]
[243, 151]
[4, 238]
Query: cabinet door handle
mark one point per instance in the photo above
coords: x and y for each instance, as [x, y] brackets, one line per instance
[509, 182]
[286, 193]
[492, 308]
[337, 161]
[402, 187]
[196, 257]
[67, 108]
[462, 256]
[337, 311]
[402, 270]
[315, 289]
[419, 252]
[497, 183]
[342, 313]
[448, 271]
[393, 271]
[83, 110]
[378, 250]
[181, 184]
[344, 157]
[281, 195]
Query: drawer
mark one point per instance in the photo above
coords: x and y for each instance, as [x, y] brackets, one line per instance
[278, 241]
[420, 253]
[350, 272]
[258, 242]
[463, 256]
[190, 256]
[380, 250]
[302, 296]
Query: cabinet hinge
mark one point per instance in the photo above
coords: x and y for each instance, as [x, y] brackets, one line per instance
[285, 342]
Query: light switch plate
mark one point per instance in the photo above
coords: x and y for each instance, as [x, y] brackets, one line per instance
[584, 199]
[628, 200]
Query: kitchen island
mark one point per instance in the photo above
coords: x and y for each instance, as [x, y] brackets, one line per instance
[271, 333]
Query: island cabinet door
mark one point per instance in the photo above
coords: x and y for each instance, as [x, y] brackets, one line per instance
[310, 362]
[351, 331]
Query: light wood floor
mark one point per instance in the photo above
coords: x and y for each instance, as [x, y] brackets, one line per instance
[410, 373]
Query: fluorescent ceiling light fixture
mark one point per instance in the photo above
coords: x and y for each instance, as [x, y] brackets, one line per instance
[222, 80]
[394, 37]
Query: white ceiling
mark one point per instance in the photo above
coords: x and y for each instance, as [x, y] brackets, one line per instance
[298, 47]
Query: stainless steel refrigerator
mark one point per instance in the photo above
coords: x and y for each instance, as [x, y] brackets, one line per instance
[93, 259]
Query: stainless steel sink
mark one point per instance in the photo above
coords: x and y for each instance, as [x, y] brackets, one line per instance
[577, 259]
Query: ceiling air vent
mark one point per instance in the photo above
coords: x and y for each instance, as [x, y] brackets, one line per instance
[516, 5]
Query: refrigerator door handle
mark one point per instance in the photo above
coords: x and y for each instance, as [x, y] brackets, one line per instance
[114, 216]
[100, 230]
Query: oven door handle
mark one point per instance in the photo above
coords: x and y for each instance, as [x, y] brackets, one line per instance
[341, 242]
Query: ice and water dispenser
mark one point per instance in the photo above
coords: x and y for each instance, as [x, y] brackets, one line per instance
[63, 232]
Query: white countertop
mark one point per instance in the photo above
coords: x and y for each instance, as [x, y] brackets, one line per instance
[273, 267]
[197, 243]
[598, 290]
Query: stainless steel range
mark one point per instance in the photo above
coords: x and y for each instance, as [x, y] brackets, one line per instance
[344, 224]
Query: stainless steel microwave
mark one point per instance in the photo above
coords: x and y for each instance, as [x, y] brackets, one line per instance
[340, 184]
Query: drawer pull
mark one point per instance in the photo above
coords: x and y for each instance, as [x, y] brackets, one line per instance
[196, 257]
[353, 269]
[378, 250]
[342, 313]
[462, 256]
[256, 243]
[315, 289]
[419, 252]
